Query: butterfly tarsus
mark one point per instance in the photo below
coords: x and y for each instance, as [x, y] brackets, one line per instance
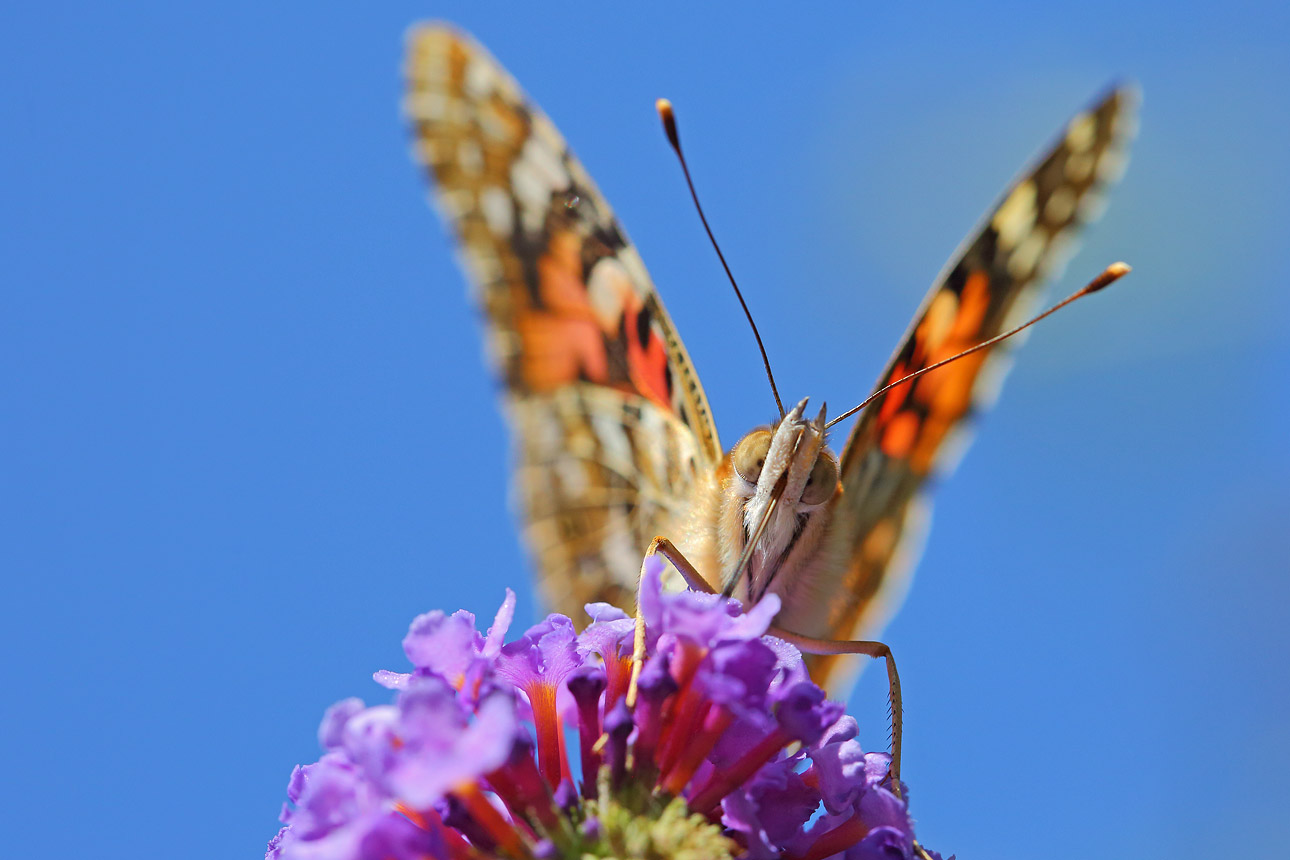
[664, 547]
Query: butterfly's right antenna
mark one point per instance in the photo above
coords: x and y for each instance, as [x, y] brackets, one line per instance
[1109, 276]
[664, 108]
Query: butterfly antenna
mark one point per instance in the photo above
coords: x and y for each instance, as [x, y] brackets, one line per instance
[1109, 276]
[664, 108]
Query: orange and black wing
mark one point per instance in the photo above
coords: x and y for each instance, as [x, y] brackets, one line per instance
[916, 431]
[610, 422]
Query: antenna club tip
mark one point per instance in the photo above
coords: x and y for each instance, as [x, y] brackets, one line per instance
[664, 108]
[1113, 273]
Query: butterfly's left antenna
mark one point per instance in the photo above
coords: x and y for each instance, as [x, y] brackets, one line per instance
[664, 108]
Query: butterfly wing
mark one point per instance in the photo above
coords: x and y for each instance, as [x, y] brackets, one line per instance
[610, 421]
[915, 432]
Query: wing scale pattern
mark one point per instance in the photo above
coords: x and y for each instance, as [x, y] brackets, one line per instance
[611, 423]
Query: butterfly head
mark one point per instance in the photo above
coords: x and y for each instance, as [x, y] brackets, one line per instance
[783, 479]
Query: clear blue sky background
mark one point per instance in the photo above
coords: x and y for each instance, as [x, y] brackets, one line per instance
[247, 433]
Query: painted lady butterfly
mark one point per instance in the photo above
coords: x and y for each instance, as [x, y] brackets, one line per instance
[616, 443]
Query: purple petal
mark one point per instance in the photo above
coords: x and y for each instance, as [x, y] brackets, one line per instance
[332, 796]
[438, 751]
[605, 612]
[393, 837]
[881, 843]
[840, 768]
[751, 663]
[609, 638]
[739, 813]
[749, 729]
[274, 851]
[790, 667]
[844, 729]
[546, 654]
[391, 680]
[501, 623]
[333, 723]
[880, 808]
[369, 739]
[785, 803]
[804, 713]
[443, 644]
[755, 621]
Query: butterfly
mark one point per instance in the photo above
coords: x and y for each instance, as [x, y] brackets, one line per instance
[615, 441]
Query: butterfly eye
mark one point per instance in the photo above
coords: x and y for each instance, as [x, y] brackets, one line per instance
[822, 483]
[750, 455]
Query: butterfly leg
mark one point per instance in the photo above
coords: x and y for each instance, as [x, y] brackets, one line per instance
[869, 648]
[664, 547]
[810, 645]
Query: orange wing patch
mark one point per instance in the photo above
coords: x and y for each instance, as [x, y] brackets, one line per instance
[561, 340]
[916, 417]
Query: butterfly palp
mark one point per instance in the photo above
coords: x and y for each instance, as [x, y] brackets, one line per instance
[777, 500]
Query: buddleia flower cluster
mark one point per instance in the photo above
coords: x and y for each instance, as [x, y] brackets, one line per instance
[529, 750]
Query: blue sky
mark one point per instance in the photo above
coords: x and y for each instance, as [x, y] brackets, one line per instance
[248, 433]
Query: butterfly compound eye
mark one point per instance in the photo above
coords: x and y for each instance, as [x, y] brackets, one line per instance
[822, 483]
[750, 455]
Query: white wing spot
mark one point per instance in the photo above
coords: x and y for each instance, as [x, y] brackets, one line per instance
[496, 205]
[545, 132]
[456, 202]
[1111, 166]
[606, 285]
[572, 476]
[1060, 205]
[532, 193]
[613, 441]
[1022, 261]
[546, 161]
[483, 265]
[493, 123]
[535, 176]
[1079, 166]
[1016, 216]
[425, 105]
[1081, 133]
[480, 79]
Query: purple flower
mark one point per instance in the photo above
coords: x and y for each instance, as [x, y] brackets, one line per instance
[728, 750]
[538, 664]
[610, 636]
[449, 646]
[338, 815]
[771, 809]
[845, 772]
